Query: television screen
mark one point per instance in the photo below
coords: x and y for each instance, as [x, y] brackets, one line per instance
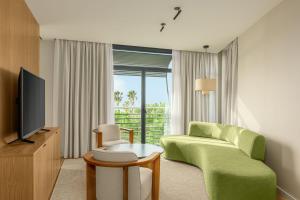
[31, 103]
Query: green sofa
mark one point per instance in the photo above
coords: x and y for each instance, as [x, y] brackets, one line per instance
[230, 157]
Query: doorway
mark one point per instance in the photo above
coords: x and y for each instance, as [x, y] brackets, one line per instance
[142, 88]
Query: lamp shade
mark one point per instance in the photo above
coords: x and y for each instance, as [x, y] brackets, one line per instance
[205, 85]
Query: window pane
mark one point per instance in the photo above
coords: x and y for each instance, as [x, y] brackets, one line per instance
[127, 96]
[157, 106]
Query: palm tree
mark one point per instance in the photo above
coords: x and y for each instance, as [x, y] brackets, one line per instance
[132, 97]
[118, 96]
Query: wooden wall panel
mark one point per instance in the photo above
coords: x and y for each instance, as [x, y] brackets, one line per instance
[19, 46]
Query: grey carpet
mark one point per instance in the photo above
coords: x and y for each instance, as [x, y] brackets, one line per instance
[178, 181]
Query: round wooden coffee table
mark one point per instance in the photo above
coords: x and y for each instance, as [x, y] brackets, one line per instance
[141, 150]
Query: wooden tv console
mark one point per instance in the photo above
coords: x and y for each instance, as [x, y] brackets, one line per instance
[29, 171]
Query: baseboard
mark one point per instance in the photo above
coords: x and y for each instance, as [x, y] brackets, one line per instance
[284, 195]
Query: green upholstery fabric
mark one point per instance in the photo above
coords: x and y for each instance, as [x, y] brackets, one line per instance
[249, 142]
[252, 144]
[200, 130]
[229, 171]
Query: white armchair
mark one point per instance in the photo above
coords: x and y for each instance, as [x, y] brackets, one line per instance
[110, 134]
[119, 179]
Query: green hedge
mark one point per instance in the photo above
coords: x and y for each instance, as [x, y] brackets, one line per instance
[157, 121]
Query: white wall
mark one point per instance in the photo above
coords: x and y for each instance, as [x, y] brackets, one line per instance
[46, 72]
[269, 89]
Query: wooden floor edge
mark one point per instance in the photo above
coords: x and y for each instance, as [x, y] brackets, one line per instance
[280, 197]
[61, 163]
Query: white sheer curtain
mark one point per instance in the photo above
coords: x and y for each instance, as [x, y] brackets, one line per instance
[82, 92]
[187, 104]
[229, 77]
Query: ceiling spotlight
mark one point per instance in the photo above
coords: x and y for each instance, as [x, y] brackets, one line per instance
[178, 9]
[162, 26]
[206, 47]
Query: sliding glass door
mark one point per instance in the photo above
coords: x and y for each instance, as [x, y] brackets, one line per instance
[142, 103]
[157, 105]
[142, 98]
[127, 96]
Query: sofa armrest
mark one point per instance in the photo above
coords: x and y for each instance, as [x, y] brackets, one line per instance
[252, 144]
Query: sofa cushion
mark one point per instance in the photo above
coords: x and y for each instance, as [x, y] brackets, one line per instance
[217, 131]
[251, 143]
[227, 133]
[231, 175]
[200, 129]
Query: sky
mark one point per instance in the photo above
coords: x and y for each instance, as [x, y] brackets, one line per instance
[156, 88]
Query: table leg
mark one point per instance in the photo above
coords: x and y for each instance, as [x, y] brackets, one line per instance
[155, 178]
[90, 182]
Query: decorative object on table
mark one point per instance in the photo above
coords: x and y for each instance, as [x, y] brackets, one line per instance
[110, 134]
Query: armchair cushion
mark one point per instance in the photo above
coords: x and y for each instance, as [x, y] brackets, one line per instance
[110, 132]
[109, 180]
[114, 142]
[146, 181]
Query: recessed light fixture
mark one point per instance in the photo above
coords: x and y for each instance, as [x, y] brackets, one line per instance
[162, 26]
[178, 9]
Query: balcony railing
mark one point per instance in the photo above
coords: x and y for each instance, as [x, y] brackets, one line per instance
[157, 122]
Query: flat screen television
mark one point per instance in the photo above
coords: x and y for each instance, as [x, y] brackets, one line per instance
[31, 104]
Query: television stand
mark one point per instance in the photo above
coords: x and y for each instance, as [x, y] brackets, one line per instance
[27, 141]
[45, 129]
[30, 169]
[22, 140]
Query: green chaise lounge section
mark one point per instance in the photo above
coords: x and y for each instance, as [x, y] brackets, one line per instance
[230, 157]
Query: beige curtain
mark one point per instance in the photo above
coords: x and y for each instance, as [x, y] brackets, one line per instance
[187, 104]
[229, 78]
[82, 92]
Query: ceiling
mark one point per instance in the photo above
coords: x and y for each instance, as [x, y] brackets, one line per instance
[137, 22]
